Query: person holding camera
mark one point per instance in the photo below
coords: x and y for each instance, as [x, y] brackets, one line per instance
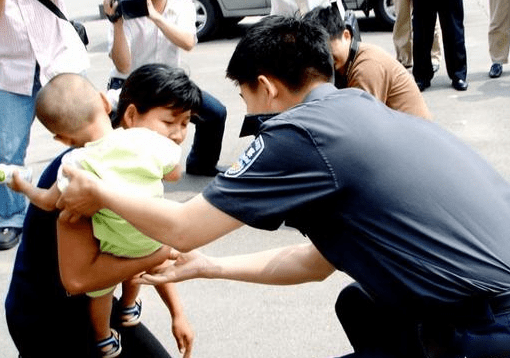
[155, 31]
[367, 66]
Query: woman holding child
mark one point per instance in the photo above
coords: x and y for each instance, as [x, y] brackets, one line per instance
[38, 295]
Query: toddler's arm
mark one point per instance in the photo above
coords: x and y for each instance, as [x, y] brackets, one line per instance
[44, 199]
[181, 328]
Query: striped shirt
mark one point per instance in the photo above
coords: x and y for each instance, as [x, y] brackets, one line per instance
[30, 33]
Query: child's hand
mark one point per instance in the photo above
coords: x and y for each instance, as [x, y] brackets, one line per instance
[19, 184]
[183, 334]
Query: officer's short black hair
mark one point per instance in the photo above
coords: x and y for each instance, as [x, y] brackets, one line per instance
[328, 17]
[290, 49]
[158, 85]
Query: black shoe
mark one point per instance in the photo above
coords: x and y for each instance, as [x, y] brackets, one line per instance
[496, 70]
[9, 237]
[460, 85]
[422, 85]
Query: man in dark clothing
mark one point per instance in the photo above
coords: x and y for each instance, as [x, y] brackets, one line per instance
[451, 19]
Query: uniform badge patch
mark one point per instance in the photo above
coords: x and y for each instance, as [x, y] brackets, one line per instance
[247, 158]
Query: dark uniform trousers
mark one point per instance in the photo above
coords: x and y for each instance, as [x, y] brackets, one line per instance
[481, 330]
[451, 19]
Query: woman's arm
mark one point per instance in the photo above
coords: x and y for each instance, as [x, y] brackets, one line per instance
[83, 268]
[282, 266]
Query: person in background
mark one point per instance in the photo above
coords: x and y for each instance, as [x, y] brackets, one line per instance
[294, 7]
[499, 35]
[417, 217]
[451, 19]
[35, 45]
[158, 37]
[403, 39]
[369, 67]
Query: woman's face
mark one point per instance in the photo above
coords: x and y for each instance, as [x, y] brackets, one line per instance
[168, 122]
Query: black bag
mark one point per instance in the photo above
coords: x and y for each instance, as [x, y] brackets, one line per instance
[78, 26]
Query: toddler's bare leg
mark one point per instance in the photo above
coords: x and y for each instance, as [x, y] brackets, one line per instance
[100, 309]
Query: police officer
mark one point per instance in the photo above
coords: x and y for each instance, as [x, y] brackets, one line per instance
[414, 215]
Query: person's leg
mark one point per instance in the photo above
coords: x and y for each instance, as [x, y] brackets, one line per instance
[374, 330]
[100, 310]
[129, 314]
[451, 18]
[16, 118]
[499, 35]
[424, 19]
[137, 341]
[436, 47]
[402, 32]
[499, 30]
[209, 128]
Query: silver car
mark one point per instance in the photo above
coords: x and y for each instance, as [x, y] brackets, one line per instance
[213, 14]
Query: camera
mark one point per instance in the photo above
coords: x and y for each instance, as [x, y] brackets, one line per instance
[130, 9]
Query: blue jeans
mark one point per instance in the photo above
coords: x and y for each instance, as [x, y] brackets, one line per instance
[17, 114]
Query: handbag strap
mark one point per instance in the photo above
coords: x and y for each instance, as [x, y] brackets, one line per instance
[53, 8]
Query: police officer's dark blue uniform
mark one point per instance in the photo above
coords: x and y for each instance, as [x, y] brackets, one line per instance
[405, 208]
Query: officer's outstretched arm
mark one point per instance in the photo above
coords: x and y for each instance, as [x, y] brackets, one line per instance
[282, 266]
[183, 226]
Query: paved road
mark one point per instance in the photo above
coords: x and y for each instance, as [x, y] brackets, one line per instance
[245, 320]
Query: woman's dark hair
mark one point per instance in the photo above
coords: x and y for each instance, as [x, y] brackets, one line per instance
[290, 49]
[158, 85]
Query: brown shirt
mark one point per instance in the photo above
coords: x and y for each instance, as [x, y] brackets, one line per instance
[376, 72]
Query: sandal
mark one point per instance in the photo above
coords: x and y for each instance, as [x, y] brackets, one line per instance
[131, 316]
[114, 342]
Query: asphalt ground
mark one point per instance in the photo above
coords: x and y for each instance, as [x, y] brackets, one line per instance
[234, 319]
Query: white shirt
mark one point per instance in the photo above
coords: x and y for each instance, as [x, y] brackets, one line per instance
[148, 44]
[292, 7]
[30, 32]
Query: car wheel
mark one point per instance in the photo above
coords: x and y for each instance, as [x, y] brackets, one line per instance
[208, 18]
[385, 12]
